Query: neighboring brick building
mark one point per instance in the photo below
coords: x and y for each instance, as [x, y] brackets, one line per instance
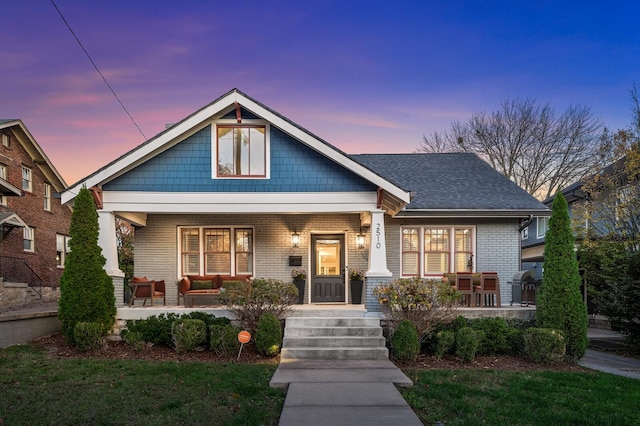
[35, 225]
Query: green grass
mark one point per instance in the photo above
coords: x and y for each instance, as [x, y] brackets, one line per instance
[475, 397]
[35, 390]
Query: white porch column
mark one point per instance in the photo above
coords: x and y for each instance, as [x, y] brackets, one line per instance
[108, 244]
[378, 272]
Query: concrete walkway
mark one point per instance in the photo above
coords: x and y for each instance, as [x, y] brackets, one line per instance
[343, 392]
[609, 362]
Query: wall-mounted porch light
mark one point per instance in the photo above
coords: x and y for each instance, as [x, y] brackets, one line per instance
[295, 239]
[360, 240]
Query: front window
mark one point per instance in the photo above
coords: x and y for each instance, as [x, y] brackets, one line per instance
[47, 197]
[543, 225]
[436, 250]
[241, 151]
[29, 243]
[210, 251]
[62, 249]
[27, 179]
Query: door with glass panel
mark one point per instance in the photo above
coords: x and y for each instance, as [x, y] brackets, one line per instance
[327, 268]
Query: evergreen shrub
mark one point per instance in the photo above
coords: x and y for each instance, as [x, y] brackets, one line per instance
[88, 336]
[406, 344]
[468, 341]
[223, 339]
[187, 334]
[269, 335]
[543, 345]
[445, 340]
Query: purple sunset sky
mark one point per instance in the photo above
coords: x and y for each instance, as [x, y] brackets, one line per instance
[367, 76]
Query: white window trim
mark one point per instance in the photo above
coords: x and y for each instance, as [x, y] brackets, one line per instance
[65, 252]
[3, 176]
[47, 197]
[214, 147]
[32, 234]
[201, 228]
[452, 248]
[544, 220]
[30, 175]
[525, 233]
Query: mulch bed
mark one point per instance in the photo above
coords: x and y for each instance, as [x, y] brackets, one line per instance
[57, 347]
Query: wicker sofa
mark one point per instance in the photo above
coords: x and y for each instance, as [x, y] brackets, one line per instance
[209, 285]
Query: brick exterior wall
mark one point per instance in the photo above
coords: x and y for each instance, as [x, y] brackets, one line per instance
[156, 245]
[30, 208]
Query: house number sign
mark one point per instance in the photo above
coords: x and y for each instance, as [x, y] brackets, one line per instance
[378, 245]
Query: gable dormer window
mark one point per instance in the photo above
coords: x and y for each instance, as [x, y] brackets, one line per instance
[241, 151]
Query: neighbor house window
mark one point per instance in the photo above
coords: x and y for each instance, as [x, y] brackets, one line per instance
[47, 197]
[62, 249]
[436, 250]
[543, 225]
[525, 233]
[5, 140]
[241, 151]
[29, 243]
[3, 176]
[216, 250]
[27, 179]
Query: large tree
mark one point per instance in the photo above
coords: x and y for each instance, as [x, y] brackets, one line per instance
[527, 142]
[559, 303]
[86, 291]
[610, 243]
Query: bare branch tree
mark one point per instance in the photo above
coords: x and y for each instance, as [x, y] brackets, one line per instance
[528, 143]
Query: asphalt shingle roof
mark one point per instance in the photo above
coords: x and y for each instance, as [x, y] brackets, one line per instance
[454, 181]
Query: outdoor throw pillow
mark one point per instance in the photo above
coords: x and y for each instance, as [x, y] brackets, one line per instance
[200, 285]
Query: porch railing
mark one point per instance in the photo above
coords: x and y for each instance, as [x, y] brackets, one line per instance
[17, 270]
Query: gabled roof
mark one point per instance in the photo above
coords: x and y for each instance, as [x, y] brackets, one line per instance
[30, 145]
[216, 109]
[456, 184]
[12, 220]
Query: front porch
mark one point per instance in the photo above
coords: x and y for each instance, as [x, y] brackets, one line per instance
[322, 310]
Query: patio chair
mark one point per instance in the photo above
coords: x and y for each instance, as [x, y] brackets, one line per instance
[489, 289]
[141, 288]
[464, 285]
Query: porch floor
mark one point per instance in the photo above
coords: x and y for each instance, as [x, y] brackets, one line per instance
[320, 310]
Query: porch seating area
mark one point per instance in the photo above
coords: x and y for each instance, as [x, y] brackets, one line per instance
[207, 289]
[477, 290]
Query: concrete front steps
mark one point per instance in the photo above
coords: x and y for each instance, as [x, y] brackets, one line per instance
[350, 338]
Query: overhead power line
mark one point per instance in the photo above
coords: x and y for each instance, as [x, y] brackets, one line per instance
[97, 69]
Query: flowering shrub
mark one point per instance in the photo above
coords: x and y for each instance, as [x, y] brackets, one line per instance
[426, 303]
[356, 274]
[298, 274]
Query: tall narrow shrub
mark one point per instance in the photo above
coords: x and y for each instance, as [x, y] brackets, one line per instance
[86, 291]
[560, 305]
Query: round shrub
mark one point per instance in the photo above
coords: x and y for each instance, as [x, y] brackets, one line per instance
[268, 335]
[497, 335]
[223, 339]
[445, 340]
[543, 345]
[188, 334]
[468, 341]
[88, 336]
[406, 345]
[134, 339]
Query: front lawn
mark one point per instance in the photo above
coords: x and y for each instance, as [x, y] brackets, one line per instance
[493, 397]
[38, 390]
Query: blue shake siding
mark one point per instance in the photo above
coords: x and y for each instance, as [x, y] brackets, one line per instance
[186, 167]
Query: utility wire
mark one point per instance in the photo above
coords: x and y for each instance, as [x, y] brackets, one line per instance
[98, 70]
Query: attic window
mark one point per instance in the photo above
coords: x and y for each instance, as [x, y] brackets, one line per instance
[241, 151]
[5, 140]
